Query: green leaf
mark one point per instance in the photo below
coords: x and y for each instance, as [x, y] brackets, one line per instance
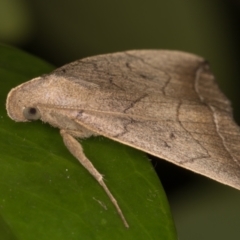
[46, 194]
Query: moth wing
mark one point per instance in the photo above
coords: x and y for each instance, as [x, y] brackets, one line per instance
[166, 103]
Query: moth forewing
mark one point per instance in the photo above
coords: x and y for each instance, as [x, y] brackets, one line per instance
[166, 103]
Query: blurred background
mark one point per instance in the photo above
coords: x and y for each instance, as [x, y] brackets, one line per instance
[61, 31]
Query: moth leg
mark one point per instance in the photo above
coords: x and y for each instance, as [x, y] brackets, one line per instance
[77, 151]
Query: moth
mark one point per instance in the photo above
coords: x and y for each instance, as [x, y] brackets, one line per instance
[165, 103]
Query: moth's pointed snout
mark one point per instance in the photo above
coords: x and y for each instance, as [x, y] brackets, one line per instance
[14, 106]
[21, 97]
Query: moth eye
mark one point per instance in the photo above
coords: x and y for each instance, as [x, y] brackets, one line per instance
[31, 113]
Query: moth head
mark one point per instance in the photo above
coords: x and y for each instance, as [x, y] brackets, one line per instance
[21, 102]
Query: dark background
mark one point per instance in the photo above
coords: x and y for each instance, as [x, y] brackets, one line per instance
[61, 31]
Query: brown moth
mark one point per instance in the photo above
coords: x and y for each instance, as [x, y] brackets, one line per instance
[165, 103]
